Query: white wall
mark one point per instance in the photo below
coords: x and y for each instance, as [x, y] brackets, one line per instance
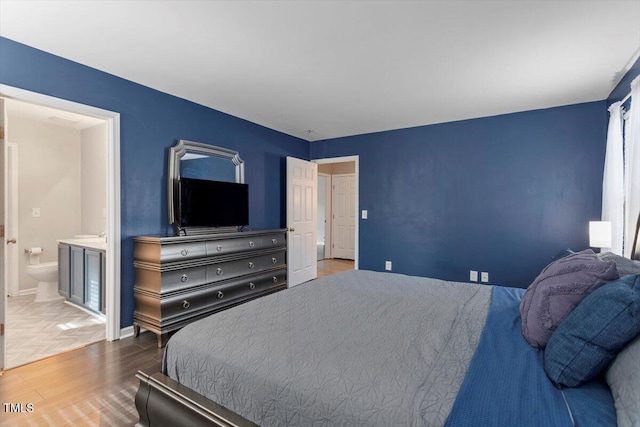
[93, 171]
[48, 178]
[337, 168]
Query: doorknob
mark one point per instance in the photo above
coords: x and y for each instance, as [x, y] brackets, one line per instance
[11, 241]
[290, 229]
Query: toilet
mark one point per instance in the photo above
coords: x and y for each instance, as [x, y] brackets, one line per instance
[46, 274]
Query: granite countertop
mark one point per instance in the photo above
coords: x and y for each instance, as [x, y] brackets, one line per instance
[98, 243]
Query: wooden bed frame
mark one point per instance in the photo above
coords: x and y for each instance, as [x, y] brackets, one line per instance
[161, 401]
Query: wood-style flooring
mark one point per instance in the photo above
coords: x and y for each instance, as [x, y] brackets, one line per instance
[91, 386]
[332, 266]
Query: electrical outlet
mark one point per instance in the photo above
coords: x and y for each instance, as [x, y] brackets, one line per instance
[473, 275]
[484, 277]
[364, 214]
[35, 212]
[387, 265]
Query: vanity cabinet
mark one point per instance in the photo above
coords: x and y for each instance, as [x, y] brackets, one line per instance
[182, 279]
[77, 275]
[81, 276]
[64, 273]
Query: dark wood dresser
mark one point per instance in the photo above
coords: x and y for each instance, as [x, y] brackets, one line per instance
[184, 278]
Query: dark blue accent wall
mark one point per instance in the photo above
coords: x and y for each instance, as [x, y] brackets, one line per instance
[500, 194]
[151, 122]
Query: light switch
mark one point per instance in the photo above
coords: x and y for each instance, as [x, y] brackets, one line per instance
[364, 214]
[473, 275]
[35, 212]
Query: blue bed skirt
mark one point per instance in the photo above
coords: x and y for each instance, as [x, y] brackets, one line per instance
[506, 384]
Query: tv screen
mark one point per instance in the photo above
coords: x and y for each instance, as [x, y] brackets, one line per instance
[205, 203]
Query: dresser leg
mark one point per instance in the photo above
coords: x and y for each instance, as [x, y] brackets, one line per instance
[136, 330]
[162, 339]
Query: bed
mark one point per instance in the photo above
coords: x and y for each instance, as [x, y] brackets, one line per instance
[369, 348]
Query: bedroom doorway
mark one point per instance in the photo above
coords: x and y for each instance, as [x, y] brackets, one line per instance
[111, 212]
[340, 213]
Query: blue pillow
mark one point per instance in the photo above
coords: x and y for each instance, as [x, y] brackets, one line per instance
[588, 339]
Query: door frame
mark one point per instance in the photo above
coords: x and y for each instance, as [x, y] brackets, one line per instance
[114, 235]
[11, 274]
[356, 160]
[327, 213]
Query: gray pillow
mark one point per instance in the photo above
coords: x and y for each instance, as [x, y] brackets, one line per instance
[624, 265]
[623, 377]
[558, 289]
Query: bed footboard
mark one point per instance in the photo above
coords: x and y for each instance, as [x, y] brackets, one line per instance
[161, 401]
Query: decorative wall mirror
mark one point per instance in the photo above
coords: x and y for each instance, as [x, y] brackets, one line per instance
[189, 159]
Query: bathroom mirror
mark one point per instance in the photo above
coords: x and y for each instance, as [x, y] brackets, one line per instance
[191, 159]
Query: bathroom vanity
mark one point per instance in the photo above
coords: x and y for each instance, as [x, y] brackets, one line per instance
[81, 272]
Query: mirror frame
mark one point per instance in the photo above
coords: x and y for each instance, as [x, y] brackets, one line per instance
[183, 147]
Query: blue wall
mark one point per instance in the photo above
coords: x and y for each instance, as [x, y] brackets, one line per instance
[151, 122]
[500, 194]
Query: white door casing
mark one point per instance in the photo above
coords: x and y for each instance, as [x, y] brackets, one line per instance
[344, 216]
[11, 218]
[113, 268]
[302, 187]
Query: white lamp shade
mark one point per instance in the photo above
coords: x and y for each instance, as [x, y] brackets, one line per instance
[600, 234]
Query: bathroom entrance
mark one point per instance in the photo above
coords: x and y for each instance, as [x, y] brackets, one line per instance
[60, 286]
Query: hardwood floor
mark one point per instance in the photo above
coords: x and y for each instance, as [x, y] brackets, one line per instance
[95, 385]
[91, 386]
[332, 266]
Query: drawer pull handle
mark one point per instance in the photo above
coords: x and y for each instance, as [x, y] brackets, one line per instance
[251, 244]
[185, 304]
[252, 285]
[184, 278]
[184, 252]
[220, 294]
[219, 248]
[219, 271]
[273, 260]
[274, 241]
[275, 279]
[251, 265]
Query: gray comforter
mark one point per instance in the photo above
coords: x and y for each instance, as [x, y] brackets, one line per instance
[355, 348]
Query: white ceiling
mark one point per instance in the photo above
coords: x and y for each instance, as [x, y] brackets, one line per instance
[50, 116]
[341, 68]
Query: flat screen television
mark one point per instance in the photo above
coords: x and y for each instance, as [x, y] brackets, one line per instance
[204, 203]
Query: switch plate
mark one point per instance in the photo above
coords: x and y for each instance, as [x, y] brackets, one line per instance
[387, 265]
[364, 214]
[484, 277]
[473, 275]
[35, 212]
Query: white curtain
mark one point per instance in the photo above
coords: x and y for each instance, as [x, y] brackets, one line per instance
[613, 180]
[632, 167]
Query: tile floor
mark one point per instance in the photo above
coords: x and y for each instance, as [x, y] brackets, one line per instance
[38, 330]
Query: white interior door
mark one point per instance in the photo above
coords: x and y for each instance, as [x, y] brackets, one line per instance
[302, 188]
[344, 219]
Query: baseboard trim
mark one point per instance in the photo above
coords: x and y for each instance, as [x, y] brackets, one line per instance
[30, 291]
[126, 332]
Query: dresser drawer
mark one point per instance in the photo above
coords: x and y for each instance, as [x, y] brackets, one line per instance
[240, 267]
[229, 246]
[182, 251]
[169, 281]
[155, 252]
[273, 260]
[275, 240]
[273, 279]
[234, 290]
[184, 303]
